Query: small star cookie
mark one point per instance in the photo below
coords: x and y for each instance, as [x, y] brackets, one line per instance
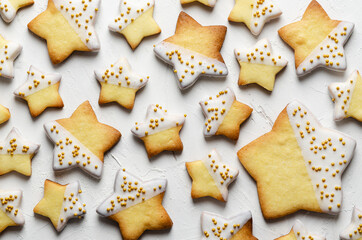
[298, 164]
[160, 130]
[211, 177]
[210, 3]
[80, 141]
[4, 114]
[136, 205]
[354, 229]
[61, 203]
[119, 84]
[40, 91]
[10, 214]
[67, 26]
[317, 40]
[259, 65]
[8, 8]
[194, 50]
[224, 114]
[299, 232]
[9, 51]
[135, 21]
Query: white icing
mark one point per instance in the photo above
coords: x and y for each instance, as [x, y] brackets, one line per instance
[66, 155]
[301, 232]
[157, 120]
[354, 229]
[9, 204]
[130, 190]
[326, 153]
[211, 3]
[330, 52]
[16, 144]
[7, 11]
[262, 11]
[8, 53]
[189, 65]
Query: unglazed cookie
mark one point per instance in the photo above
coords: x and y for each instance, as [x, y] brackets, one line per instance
[210, 3]
[211, 177]
[61, 203]
[9, 51]
[317, 40]
[298, 165]
[136, 205]
[4, 114]
[299, 232]
[224, 114]
[194, 50]
[160, 130]
[135, 21]
[8, 8]
[67, 26]
[40, 91]
[10, 214]
[259, 65]
[80, 141]
[119, 84]
[354, 229]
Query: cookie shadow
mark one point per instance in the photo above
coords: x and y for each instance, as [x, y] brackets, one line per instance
[209, 199]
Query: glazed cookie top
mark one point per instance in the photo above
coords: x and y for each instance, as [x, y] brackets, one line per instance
[8, 8]
[262, 12]
[301, 232]
[8, 52]
[10, 202]
[354, 229]
[16, 144]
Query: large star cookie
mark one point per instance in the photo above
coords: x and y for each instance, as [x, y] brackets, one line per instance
[16, 153]
[194, 50]
[254, 13]
[224, 114]
[347, 97]
[119, 84]
[8, 8]
[9, 51]
[259, 65]
[4, 114]
[317, 40]
[40, 91]
[299, 232]
[160, 130]
[10, 214]
[210, 3]
[80, 141]
[135, 21]
[61, 203]
[67, 26]
[298, 164]
[354, 229]
[136, 205]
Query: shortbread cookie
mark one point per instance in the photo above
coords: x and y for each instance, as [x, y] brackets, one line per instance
[259, 65]
[16, 153]
[299, 232]
[160, 130]
[194, 50]
[136, 205]
[67, 26]
[317, 40]
[238, 227]
[298, 165]
[254, 13]
[4, 114]
[40, 91]
[210, 3]
[10, 214]
[135, 21]
[354, 229]
[211, 177]
[61, 203]
[8, 8]
[119, 84]
[9, 51]
[347, 97]
[224, 114]
[80, 141]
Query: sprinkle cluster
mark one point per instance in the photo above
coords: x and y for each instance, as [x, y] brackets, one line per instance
[301, 233]
[6, 203]
[354, 229]
[261, 12]
[15, 144]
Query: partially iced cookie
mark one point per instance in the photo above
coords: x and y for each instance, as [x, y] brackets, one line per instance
[210, 3]
[9, 51]
[4, 114]
[354, 230]
[299, 232]
[8, 8]
[10, 214]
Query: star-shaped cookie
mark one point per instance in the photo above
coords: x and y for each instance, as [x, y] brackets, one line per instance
[61, 203]
[67, 26]
[347, 97]
[9, 51]
[160, 130]
[210, 3]
[16, 153]
[299, 232]
[136, 205]
[40, 91]
[317, 40]
[4, 114]
[354, 230]
[259, 65]
[194, 50]
[298, 164]
[135, 21]
[254, 13]
[10, 214]
[8, 8]
[119, 84]
[80, 141]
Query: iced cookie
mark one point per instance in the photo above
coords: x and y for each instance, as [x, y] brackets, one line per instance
[136, 205]
[61, 203]
[194, 50]
[301, 157]
[81, 141]
[210, 3]
[8, 8]
[259, 65]
[347, 97]
[40, 91]
[16, 153]
[135, 21]
[354, 229]
[4, 114]
[160, 130]
[317, 40]
[67, 26]
[10, 214]
[211, 177]
[119, 84]
[224, 114]
[299, 232]
[254, 13]
[9, 51]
